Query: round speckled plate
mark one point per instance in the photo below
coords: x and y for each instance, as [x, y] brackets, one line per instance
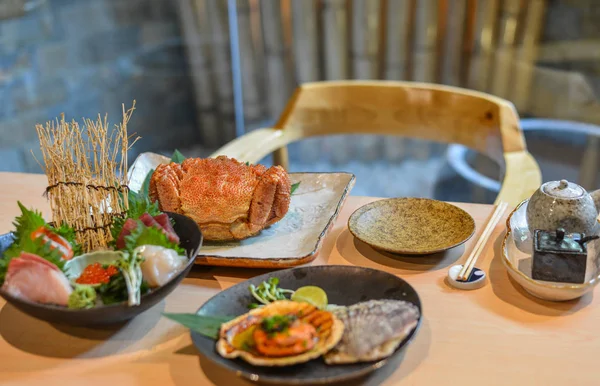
[411, 226]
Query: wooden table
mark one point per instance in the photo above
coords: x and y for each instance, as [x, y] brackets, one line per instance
[497, 335]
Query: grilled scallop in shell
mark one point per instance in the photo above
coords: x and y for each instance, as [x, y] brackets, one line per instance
[282, 333]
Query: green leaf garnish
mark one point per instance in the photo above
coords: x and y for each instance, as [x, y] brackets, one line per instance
[177, 157]
[208, 326]
[25, 224]
[294, 187]
[115, 291]
[68, 234]
[144, 192]
[138, 205]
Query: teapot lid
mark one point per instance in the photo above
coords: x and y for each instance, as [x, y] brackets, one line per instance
[563, 189]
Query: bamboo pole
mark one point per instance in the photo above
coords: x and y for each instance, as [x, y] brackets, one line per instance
[453, 42]
[425, 38]
[336, 63]
[485, 42]
[305, 41]
[252, 95]
[279, 86]
[527, 54]
[335, 27]
[397, 14]
[365, 38]
[365, 62]
[424, 57]
[306, 62]
[192, 14]
[503, 68]
[396, 64]
[219, 31]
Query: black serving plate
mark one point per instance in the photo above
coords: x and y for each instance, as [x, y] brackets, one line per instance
[190, 240]
[344, 285]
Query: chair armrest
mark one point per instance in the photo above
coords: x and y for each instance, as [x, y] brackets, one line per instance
[254, 146]
[521, 179]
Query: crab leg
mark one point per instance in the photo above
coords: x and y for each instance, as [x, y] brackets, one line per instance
[281, 203]
[266, 195]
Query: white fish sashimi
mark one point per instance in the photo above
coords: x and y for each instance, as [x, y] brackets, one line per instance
[160, 264]
[32, 278]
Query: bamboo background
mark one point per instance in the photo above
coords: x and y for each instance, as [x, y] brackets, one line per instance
[487, 45]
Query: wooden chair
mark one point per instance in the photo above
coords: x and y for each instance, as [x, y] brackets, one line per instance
[433, 112]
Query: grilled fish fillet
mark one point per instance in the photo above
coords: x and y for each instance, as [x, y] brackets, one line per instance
[372, 330]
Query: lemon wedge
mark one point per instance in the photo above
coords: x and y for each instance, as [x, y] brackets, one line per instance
[312, 295]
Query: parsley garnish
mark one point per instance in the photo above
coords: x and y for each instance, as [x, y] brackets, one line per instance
[277, 323]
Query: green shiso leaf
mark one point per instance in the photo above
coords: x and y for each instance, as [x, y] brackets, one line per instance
[68, 234]
[144, 192]
[208, 326]
[138, 205]
[294, 187]
[25, 224]
[177, 157]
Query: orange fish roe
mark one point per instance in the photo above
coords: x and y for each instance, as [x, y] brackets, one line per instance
[96, 274]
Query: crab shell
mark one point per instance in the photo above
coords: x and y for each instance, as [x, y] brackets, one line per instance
[229, 200]
[329, 332]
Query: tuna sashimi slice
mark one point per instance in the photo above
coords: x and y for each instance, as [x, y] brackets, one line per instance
[32, 278]
[165, 223]
[128, 227]
[149, 221]
[160, 221]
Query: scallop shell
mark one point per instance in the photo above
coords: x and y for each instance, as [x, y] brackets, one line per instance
[329, 331]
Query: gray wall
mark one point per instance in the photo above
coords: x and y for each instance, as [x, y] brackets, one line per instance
[84, 57]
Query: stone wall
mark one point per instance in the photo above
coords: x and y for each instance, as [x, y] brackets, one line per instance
[84, 57]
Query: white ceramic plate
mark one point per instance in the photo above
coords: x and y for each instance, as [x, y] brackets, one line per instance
[517, 250]
[294, 240]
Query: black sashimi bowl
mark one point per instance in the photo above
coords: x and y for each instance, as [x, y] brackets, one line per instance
[190, 239]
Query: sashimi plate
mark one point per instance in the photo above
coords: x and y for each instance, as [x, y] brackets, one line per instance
[295, 240]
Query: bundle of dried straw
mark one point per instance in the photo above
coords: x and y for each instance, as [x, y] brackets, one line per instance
[87, 175]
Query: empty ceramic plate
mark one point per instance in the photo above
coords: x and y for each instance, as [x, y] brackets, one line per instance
[411, 226]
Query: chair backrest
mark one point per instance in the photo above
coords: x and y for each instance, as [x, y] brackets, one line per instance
[419, 110]
[435, 112]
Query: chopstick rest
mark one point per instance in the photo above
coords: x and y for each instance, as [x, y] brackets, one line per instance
[476, 278]
[465, 274]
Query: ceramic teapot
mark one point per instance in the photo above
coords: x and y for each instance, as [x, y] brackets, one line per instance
[563, 204]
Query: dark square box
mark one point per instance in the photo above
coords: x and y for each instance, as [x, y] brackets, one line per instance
[559, 258]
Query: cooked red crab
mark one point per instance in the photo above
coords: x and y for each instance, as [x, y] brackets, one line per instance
[228, 199]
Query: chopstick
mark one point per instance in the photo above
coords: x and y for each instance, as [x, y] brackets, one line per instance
[465, 272]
